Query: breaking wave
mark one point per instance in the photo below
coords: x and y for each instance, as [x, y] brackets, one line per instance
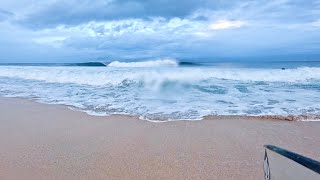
[115, 76]
[164, 90]
[151, 63]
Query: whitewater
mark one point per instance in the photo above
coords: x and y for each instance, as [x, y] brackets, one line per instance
[163, 89]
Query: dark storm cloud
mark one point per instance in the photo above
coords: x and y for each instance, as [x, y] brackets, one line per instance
[74, 12]
[5, 14]
[135, 29]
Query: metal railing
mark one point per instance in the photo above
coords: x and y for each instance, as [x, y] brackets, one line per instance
[280, 163]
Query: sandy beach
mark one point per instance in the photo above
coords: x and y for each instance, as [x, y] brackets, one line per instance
[39, 141]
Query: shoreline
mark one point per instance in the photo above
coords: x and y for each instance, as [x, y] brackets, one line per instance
[41, 141]
[302, 118]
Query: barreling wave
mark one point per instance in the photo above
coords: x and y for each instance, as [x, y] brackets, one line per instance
[186, 63]
[154, 63]
[88, 64]
[151, 63]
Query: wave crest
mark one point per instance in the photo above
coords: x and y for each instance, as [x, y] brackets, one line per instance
[151, 63]
[155, 77]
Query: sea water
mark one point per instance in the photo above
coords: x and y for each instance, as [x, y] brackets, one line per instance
[167, 89]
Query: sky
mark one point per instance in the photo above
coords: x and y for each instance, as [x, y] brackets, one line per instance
[105, 30]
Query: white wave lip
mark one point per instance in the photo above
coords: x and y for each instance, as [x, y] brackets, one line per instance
[156, 76]
[154, 63]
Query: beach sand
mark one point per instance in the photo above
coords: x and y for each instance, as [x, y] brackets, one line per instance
[39, 141]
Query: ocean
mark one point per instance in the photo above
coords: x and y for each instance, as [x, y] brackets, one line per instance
[168, 89]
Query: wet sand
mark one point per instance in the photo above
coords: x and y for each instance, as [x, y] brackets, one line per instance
[40, 141]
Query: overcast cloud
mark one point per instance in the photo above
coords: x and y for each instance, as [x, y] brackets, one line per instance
[90, 30]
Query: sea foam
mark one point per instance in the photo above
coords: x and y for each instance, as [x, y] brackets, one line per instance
[166, 91]
[115, 75]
